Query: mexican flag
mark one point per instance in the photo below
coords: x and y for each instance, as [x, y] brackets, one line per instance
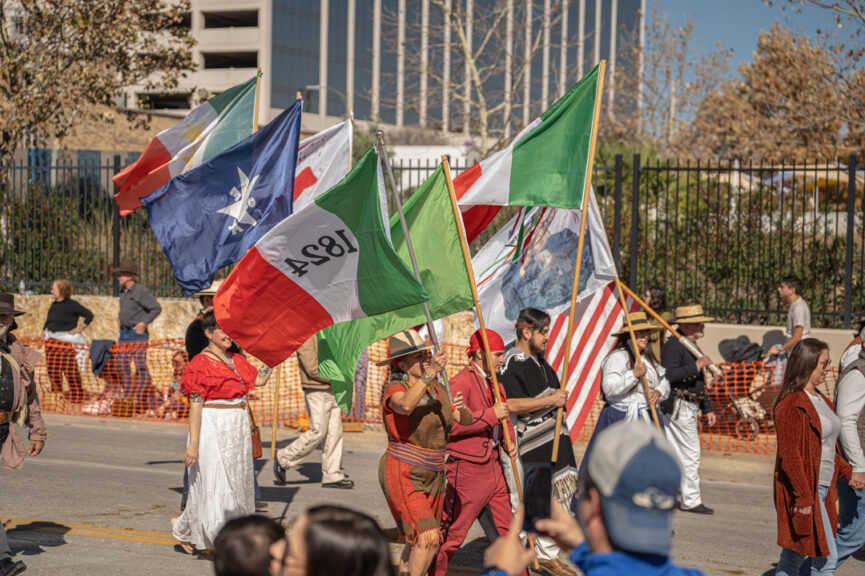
[545, 164]
[435, 236]
[329, 262]
[209, 129]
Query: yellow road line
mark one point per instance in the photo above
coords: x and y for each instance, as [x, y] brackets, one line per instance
[129, 535]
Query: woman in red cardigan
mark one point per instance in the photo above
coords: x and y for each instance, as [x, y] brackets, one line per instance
[808, 463]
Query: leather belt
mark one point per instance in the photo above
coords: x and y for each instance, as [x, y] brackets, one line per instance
[241, 406]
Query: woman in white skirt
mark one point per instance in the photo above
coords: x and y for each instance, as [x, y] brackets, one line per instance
[219, 449]
[622, 380]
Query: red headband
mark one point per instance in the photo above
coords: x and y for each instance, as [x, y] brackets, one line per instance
[475, 342]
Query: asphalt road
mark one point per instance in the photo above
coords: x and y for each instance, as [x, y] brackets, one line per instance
[99, 500]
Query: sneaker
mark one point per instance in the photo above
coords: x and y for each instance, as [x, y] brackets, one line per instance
[344, 484]
[278, 473]
[698, 509]
[10, 567]
[261, 506]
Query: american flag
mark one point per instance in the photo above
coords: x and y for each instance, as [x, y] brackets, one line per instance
[596, 317]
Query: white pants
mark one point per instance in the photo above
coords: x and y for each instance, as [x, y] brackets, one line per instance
[682, 433]
[545, 548]
[325, 424]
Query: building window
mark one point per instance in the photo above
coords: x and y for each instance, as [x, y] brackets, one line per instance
[170, 101]
[213, 60]
[232, 19]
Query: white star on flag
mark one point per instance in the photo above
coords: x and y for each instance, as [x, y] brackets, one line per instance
[239, 209]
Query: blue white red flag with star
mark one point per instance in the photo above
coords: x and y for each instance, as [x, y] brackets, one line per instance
[209, 217]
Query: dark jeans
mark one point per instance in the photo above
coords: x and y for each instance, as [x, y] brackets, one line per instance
[132, 347]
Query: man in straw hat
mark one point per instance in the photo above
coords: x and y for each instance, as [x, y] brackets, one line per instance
[19, 404]
[687, 399]
[534, 395]
[474, 466]
[138, 308]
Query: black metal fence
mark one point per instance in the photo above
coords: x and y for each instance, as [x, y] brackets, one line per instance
[717, 233]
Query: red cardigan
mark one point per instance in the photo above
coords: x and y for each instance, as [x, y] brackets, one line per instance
[797, 472]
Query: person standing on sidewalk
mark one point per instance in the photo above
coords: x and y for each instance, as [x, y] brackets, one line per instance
[687, 398]
[138, 309]
[19, 404]
[325, 424]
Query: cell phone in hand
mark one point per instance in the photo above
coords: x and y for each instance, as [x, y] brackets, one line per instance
[537, 492]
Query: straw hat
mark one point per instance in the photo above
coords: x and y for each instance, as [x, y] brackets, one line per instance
[127, 267]
[691, 315]
[402, 344]
[638, 322]
[211, 291]
[7, 305]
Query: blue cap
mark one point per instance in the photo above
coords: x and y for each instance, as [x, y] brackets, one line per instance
[637, 474]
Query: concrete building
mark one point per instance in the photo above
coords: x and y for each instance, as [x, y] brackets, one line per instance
[394, 61]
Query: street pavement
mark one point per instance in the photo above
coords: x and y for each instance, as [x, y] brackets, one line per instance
[99, 501]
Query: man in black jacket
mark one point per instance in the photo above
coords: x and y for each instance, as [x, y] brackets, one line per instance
[687, 398]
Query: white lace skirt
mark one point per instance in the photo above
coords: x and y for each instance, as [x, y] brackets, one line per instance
[221, 483]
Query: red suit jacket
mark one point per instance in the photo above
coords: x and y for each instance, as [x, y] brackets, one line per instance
[475, 442]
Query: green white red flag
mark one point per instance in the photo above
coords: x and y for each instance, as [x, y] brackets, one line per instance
[545, 164]
[329, 262]
[208, 130]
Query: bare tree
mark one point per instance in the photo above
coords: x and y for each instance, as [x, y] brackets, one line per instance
[61, 59]
[675, 81]
[489, 52]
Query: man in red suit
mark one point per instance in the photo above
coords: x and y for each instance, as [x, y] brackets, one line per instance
[474, 467]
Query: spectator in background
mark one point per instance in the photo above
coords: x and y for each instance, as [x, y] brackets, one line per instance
[656, 298]
[242, 547]
[138, 309]
[798, 318]
[332, 540]
[808, 463]
[851, 353]
[61, 331]
[624, 522]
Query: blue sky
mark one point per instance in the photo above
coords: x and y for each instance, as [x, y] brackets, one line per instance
[737, 23]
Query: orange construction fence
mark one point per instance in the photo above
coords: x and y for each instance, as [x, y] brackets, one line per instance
[142, 381]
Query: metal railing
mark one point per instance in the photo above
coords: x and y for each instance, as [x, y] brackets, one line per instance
[716, 233]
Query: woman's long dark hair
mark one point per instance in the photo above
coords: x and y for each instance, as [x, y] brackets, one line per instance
[801, 364]
[624, 343]
[345, 542]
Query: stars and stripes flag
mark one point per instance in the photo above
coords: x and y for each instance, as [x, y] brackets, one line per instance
[530, 262]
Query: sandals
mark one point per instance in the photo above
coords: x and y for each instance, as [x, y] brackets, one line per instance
[188, 547]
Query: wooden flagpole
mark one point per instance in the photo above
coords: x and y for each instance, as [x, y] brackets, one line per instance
[382, 155]
[275, 414]
[255, 108]
[509, 443]
[621, 294]
[563, 383]
[689, 344]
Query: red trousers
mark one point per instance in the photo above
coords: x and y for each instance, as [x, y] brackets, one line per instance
[471, 487]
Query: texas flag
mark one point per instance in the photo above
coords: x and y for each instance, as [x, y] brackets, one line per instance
[323, 160]
[209, 217]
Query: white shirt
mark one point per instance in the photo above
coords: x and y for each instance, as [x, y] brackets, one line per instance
[849, 403]
[623, 390]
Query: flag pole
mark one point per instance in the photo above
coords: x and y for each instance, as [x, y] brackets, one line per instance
[483, 330]
[689, 344]
[381, 148]
[621, 294]
[563, 383]
[275, 415]
[255, 108]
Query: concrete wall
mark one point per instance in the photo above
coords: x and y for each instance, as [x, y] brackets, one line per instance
[176, 314]
[767, 336]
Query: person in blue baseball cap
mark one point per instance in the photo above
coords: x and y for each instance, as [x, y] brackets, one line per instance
[624, 512]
